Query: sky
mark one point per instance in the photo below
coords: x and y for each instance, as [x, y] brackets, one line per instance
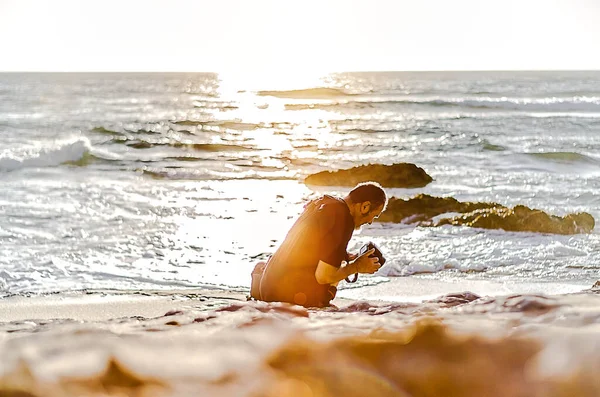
[298, 35]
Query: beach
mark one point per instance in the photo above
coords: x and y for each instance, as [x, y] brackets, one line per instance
[216, 343]
[134, 207]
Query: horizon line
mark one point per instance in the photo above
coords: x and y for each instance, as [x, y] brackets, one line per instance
[323, 73]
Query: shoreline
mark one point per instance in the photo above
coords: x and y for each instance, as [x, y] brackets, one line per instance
[105, 304]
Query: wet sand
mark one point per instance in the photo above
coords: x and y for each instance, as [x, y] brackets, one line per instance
[212, 342]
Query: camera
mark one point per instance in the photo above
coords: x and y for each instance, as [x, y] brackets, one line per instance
[364, 249]
[377, 252]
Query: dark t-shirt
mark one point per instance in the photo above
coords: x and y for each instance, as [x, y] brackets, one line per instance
[321, 233]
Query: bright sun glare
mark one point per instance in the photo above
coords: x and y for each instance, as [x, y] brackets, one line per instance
[262, 79]
[244, 86]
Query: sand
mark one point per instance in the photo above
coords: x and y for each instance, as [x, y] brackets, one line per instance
[214, 342]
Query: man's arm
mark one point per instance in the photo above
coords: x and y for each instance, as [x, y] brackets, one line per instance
[329, 274]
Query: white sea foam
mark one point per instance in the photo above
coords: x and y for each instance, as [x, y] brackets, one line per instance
[57, 154]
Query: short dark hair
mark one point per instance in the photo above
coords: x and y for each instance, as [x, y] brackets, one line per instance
[369, 191]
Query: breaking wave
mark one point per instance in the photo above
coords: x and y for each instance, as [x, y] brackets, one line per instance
[69, 152]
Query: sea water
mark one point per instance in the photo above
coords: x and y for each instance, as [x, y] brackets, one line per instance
[152, 181]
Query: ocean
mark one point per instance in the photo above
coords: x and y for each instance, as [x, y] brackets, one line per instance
[184, 180]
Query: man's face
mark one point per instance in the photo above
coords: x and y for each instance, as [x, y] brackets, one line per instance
[367, 215]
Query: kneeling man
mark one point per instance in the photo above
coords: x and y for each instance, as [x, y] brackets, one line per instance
[313, 258]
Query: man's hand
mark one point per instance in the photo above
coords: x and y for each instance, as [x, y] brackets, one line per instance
[367, 265]
[327, 274]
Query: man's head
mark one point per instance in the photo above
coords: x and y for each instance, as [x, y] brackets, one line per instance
[366, 202]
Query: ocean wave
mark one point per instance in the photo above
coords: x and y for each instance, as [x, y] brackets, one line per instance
[486, 145]
[102, 130]
[215, 147]
[329, 105]
[225, 124]
[564, 157]
[317, 92]
[524, 104]
[144, 131]
[187, 174]
[204, 147]
[362, 130]
[72, 152]
[548, 104]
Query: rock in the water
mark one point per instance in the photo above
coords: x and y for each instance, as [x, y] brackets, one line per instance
[403, 175]
[422, 208]
[524, 219]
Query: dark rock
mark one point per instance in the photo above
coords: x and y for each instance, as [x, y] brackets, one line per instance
[524, 219]
[360, 306]
[529, 303]
[402, 175]
[204, 317]
[455, 299]
[271, 307]
[422, 208]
